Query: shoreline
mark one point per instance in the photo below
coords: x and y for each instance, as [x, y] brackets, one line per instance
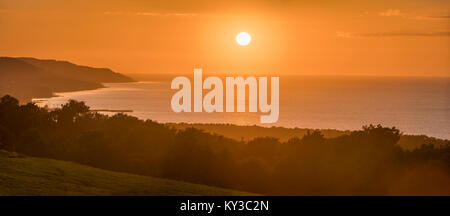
[142, 114]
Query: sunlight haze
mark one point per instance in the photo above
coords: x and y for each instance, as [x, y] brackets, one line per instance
[406, 38]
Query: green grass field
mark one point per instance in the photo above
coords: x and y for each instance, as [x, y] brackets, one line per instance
[38, 176]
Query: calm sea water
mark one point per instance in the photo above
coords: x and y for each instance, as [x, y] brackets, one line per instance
[414, 105]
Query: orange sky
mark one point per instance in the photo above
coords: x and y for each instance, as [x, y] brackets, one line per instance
[397, 37]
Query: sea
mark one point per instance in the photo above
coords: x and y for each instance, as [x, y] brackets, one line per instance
[415, 105]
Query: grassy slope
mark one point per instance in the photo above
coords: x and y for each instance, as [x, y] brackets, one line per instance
[38, 176]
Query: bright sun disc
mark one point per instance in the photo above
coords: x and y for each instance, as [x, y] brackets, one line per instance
[243, 38]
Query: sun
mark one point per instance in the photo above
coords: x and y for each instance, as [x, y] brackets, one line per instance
[243, 38]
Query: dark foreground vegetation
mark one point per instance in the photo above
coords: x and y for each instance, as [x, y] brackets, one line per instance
[365, 162]
[249, 132]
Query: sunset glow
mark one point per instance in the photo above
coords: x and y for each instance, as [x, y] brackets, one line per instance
[402, 38]
[261, 99]
[243, 38]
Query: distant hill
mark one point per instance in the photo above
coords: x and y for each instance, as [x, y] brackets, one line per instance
[25, 78]
[283, 134]
[38, 176]
[82, 73]
[246, 133]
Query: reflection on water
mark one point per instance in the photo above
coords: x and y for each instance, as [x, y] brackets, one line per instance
[415, 105]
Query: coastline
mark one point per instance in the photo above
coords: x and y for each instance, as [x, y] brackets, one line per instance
[150, 101]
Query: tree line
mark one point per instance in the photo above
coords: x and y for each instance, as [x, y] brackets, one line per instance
[363, 162]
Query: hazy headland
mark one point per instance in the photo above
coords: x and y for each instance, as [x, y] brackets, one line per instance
[28, 78]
